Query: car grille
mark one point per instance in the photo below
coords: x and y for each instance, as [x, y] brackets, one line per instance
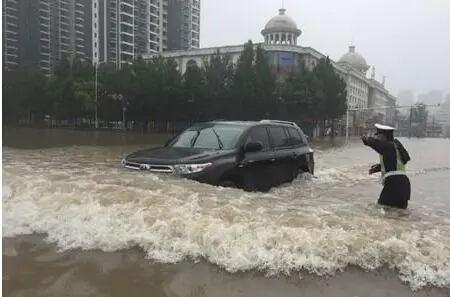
[149, 167]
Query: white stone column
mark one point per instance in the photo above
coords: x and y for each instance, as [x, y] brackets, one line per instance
[280, 35]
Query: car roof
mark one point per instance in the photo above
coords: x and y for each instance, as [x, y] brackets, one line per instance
[251, 123]
[235, 123]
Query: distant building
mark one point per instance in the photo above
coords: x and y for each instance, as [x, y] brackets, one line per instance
[280, 36]
[443, 113]
[433, 97]
[38, 33]
[123, 29]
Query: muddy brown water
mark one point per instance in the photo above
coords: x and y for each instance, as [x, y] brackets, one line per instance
[75, 223]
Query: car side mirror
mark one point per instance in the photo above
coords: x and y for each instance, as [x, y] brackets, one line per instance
[253, 147]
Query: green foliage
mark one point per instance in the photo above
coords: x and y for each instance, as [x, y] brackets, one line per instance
[333, 88]
[156, 89]
[303, 95]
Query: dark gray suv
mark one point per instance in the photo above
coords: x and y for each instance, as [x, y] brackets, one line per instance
[250, 155]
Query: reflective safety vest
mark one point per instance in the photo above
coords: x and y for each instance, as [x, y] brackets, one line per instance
[400, 170]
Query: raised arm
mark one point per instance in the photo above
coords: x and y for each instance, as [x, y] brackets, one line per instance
[375, 144]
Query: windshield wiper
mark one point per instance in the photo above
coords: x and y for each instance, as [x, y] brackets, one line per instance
[194, 139]
[218, 139]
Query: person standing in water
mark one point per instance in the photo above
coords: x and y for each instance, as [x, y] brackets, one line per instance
[393, 158]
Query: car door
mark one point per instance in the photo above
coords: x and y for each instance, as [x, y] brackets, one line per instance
[256, 167]
[299, 149]
[283, 154]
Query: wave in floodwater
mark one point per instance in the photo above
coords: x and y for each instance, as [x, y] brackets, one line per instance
[81, 198]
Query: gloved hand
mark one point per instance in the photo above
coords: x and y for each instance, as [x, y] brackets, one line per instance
[373, 169]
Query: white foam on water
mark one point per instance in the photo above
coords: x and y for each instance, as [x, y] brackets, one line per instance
[97, 205]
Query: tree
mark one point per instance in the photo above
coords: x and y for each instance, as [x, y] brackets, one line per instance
[172, 93]
[303, 95]
[334, 91]
[73, 89]
[195, 105]
[110, 81]
[218, 78]
[264, 86]
[25, 95]
[244, 99]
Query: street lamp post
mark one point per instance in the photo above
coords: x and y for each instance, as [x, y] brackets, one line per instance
[96, 92]
[96, 96]
[124, 103]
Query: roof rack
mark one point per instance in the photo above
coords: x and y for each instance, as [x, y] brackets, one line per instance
[279, 122]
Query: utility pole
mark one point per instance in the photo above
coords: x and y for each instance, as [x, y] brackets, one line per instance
[96, 96]
[410, 121]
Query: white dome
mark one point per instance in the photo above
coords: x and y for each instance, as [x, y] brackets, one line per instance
[355, 60]
[281, 23]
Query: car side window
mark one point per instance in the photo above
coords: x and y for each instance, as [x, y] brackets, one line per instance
[279, 136]
[259, 134]
[295, 137]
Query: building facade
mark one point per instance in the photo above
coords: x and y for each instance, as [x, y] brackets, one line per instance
[10, 33]
[280, 36]
[123, 29]
[443, 113]
[37, 34]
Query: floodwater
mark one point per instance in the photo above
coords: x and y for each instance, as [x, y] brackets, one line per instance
[77, 224]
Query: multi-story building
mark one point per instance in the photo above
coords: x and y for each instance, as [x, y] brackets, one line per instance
[10, 33]
[183, 24]
[70, 33]
[281, 35]
[123, 29]
[355, 76]
[443, 113]
[38, 33]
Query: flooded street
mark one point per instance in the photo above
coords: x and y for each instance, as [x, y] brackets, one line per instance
[75, 223]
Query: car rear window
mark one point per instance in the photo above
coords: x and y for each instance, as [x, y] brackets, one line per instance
[279, 137]
[296, 138]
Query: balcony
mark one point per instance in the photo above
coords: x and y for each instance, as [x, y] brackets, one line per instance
[128, 3]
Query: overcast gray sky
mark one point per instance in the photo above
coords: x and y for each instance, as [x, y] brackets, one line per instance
[406, 40]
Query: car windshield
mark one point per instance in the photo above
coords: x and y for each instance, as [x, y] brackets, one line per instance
[208, 137]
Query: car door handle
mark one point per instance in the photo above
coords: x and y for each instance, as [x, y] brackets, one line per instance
[272, 159]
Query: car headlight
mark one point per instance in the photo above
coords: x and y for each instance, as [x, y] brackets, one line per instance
[191, 168]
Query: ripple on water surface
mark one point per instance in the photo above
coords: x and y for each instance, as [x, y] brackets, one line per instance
[81, 198]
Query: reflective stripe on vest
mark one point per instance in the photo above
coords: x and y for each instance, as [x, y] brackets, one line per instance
[400, 170]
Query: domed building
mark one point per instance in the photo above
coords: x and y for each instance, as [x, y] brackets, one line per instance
[354, 60]
[280, 41]
[281, 29]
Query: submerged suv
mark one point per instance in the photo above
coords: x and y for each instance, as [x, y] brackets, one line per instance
[250, 155]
